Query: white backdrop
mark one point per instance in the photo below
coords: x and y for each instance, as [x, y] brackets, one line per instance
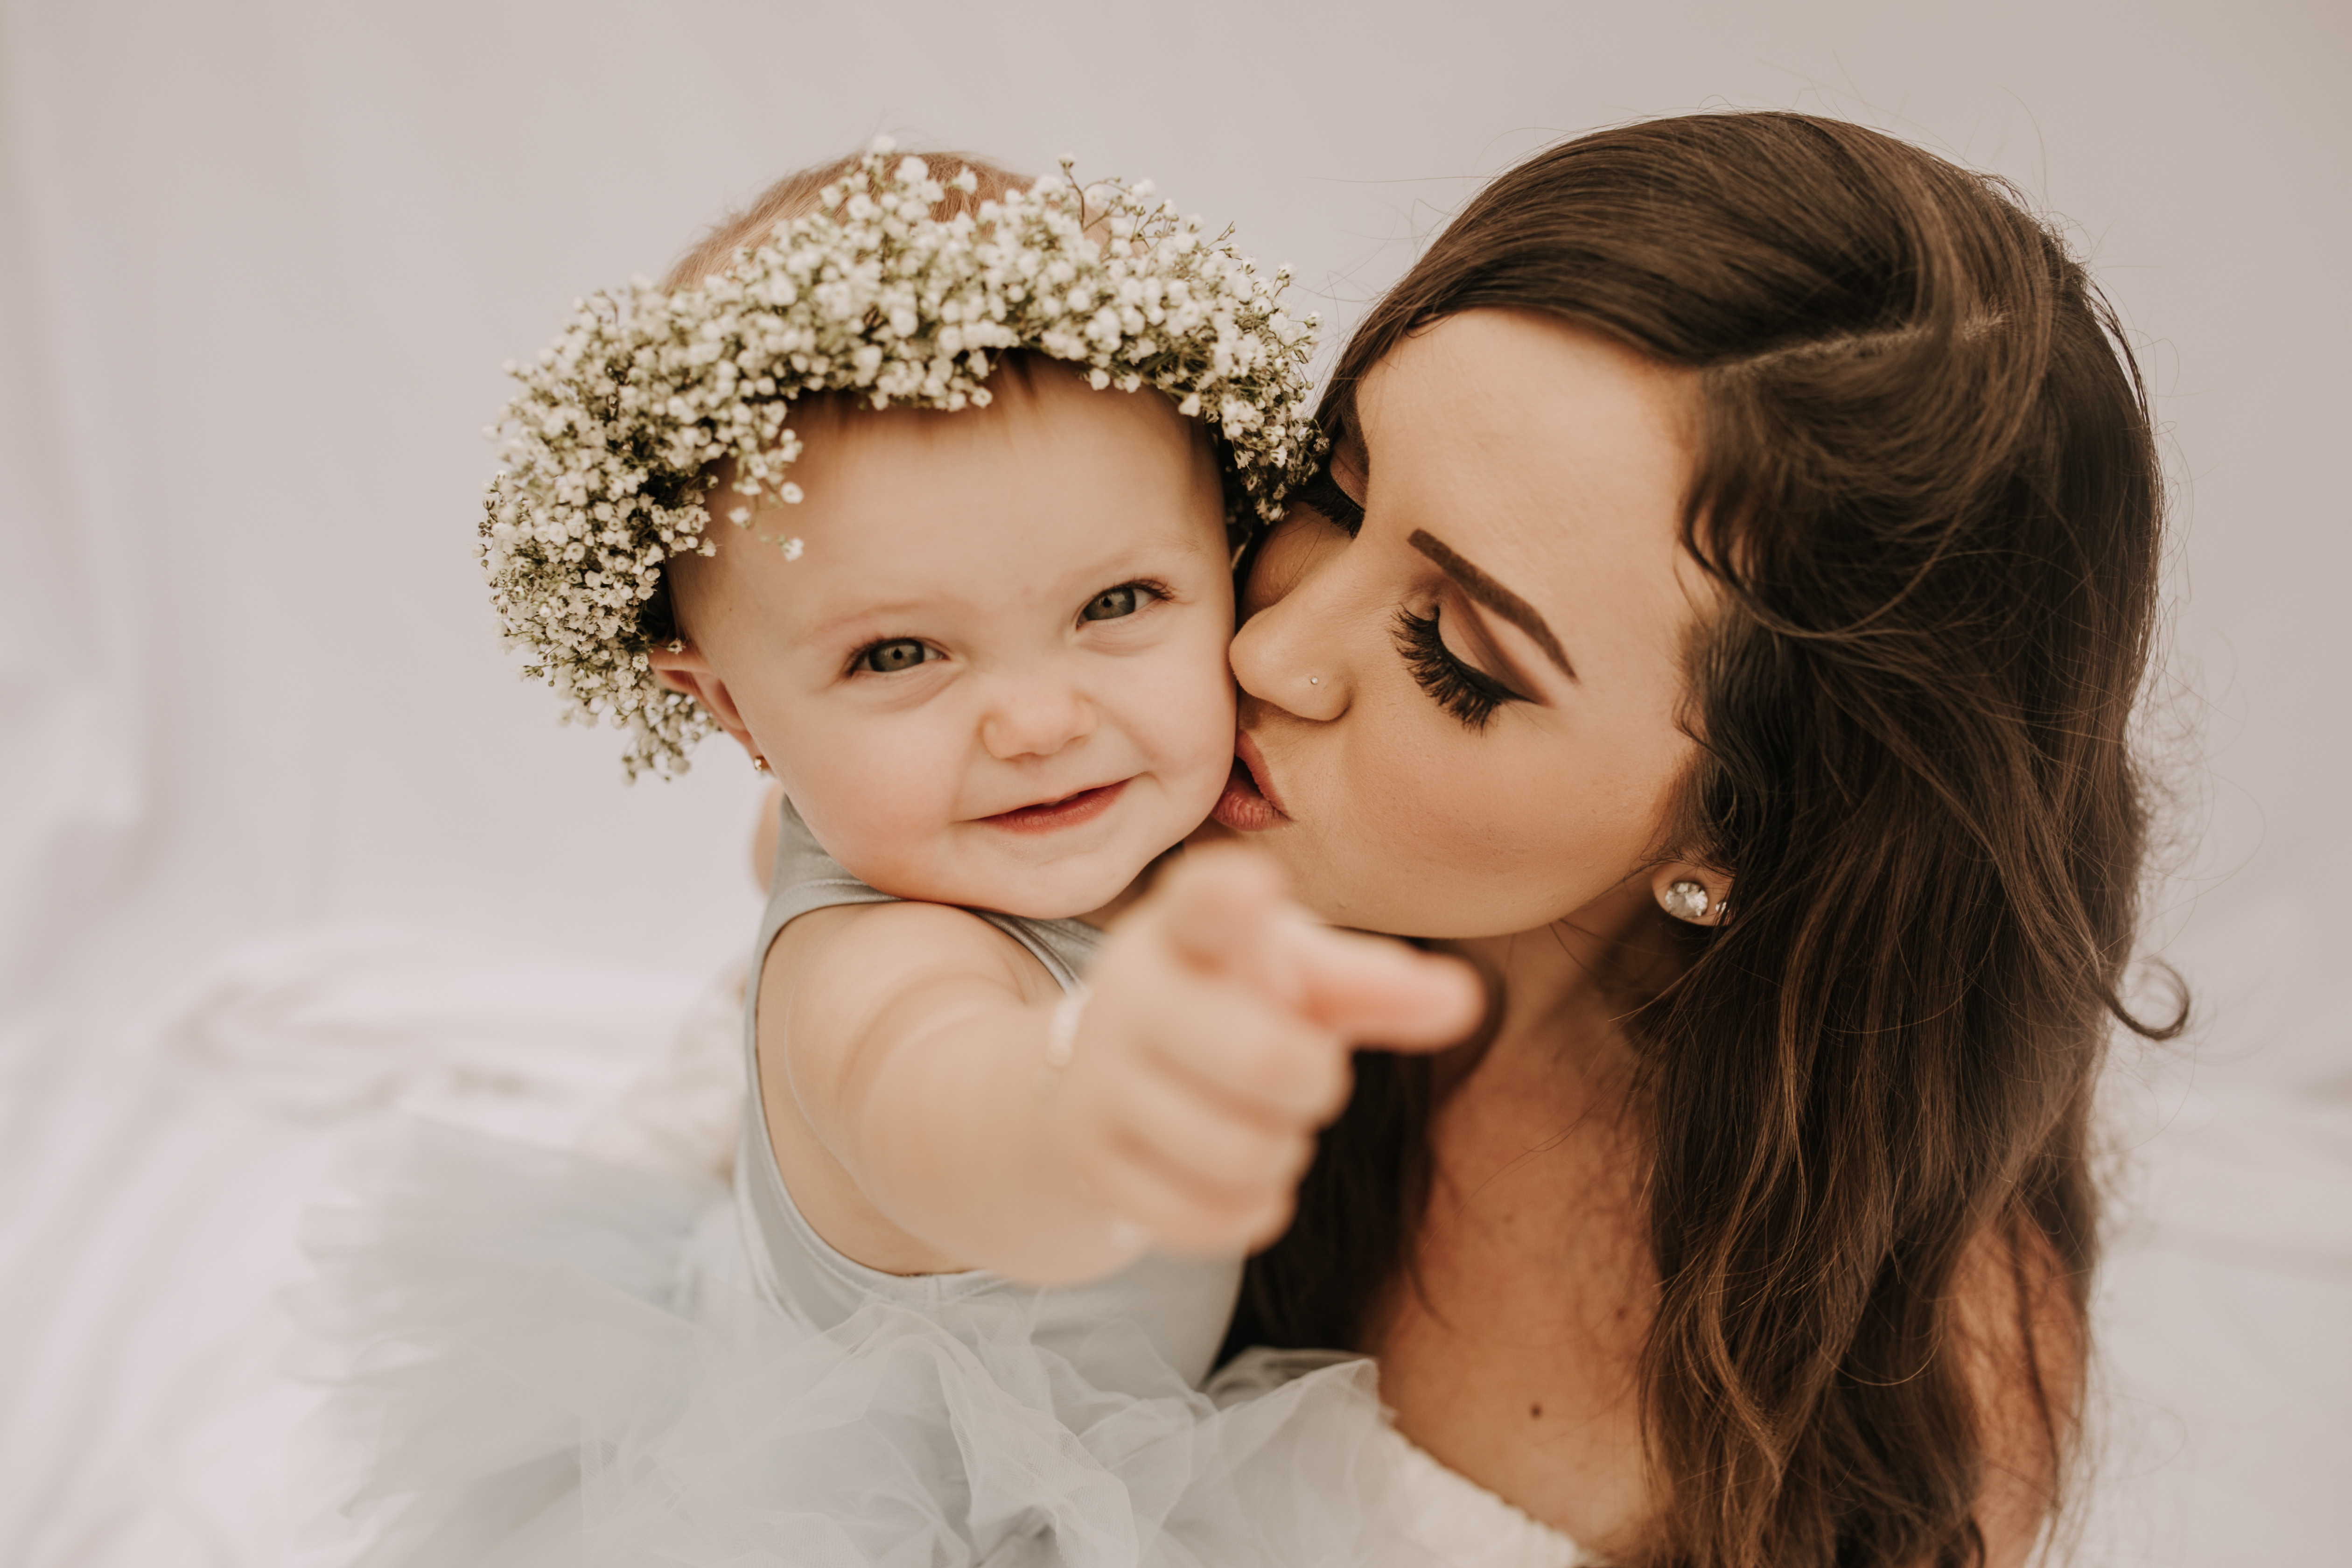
[259, 263]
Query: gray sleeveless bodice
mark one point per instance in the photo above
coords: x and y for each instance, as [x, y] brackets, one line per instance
[1182, 1305]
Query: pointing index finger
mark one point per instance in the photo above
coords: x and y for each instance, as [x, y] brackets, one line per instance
[1222, 911]
[1378, 991]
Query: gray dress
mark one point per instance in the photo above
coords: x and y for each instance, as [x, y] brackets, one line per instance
[1182, 1305]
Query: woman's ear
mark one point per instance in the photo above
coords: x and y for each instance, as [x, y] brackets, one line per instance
[679, 666]
[1700, 895]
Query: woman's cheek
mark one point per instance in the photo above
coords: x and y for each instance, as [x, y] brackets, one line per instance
[1453, 834]
[1381, 820]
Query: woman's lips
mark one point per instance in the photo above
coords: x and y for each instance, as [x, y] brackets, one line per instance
[1054, 815]
[1248, 805]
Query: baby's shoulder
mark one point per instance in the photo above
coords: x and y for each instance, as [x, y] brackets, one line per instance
[851, 951]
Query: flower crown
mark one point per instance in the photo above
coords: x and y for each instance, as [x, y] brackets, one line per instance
[612, 442]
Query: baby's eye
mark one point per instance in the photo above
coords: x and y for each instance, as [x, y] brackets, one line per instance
[890, 658]
[1113, 602]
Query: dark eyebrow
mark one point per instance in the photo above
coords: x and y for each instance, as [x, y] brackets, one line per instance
[1492, 594]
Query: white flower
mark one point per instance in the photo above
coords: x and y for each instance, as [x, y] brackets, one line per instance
[643, 391]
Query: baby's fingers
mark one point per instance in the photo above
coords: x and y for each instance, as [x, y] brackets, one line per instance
[1225, 913]
[1228, 1168]
[1219, 909]
[1228, 1043]
[1376, 991]
[1172, 1197]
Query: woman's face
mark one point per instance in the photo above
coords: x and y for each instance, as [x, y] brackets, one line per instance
[1464, 719]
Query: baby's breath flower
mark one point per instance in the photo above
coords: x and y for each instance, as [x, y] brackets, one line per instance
[610, 444]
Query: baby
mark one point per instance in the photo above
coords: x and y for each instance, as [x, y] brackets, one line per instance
[988, 670]
[995, 678]
[926, 492]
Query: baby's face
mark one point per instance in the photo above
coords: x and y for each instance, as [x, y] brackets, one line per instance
[995, 676]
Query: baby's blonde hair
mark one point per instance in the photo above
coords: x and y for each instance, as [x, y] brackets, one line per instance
[794, 196]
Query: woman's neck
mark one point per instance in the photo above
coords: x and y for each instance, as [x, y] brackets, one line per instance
[1509, 1346]
[1566, 988]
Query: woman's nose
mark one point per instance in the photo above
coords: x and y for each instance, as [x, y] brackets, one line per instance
[1292, 651]
[1034, 718]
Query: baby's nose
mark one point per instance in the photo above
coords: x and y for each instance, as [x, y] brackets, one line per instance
[1034, 718]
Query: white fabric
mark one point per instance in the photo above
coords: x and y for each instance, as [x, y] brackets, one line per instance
[546, 1363]
[147, 1268]
[258, 262]
[1441, 1511]
[1465, 1522]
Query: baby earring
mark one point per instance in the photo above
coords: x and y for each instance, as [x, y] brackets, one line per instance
[1687, 900]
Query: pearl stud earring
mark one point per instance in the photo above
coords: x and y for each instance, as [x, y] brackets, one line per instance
[1687, 900]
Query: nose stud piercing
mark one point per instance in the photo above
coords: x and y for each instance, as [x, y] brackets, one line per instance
[1689, 900]
[1314, 681]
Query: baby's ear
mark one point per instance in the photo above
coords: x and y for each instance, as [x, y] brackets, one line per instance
[679, 666]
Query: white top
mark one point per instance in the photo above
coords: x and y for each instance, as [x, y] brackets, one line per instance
[1439, 1509]
[1464, 1523]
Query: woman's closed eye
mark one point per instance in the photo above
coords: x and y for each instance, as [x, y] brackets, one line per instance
[1462, 689]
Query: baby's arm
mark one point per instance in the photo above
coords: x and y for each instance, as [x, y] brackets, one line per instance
[912, 1038]
[1215, 1044]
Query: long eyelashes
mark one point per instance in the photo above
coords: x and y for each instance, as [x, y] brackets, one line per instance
[1470, 695]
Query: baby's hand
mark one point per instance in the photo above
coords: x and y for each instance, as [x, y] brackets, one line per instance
[1216, 1042]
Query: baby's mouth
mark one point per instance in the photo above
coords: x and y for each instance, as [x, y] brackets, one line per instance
[1046, 817]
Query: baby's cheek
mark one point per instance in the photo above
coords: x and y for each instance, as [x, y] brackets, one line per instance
[1188, 719]
[872, 798]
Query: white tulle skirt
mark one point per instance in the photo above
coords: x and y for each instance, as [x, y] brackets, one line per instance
[540, 1360]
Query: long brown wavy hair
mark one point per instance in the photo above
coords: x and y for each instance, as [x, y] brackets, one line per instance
[1927, 483]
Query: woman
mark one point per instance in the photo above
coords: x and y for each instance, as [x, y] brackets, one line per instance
[1721, 623]
[1718, 623]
